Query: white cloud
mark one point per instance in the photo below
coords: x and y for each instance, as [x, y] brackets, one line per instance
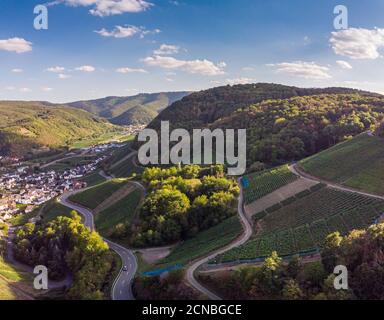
[126, 32]
[203, 67]
[56, 69]
[86, 69]
[248, 69]
[17, 45]
[166, 49]
[46, 89]
[10, 88]
[17, 70]
[63, 76]
[358, 43]
[25, 90]
[344, 64]
[240, 81]
[307, 70]
[130, 70]
[104, 8]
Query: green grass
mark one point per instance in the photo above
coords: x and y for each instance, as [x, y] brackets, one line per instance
[9, 274]
[54, 209]
[204, 243]
[121, 212]
[263, 183]
[93, 179]
[22, 219]
[91, 198]
[358, 163]
[303, 224]
[103, 138]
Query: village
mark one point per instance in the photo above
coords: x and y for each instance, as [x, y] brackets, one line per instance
[25, 189]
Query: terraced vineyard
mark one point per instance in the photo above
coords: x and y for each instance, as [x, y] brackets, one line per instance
[122, 211]
[302, 225]
[263, 183]
[203, 243]
[126, 169]
[358, 163]
[93, 197]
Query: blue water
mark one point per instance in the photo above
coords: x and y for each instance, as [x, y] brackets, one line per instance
[161, 271]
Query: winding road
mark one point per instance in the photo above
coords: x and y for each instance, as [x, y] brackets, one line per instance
[190, 276]
[122, 286]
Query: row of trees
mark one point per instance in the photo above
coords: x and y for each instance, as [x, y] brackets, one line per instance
[362, 252]
[181, 202]
[67, 247]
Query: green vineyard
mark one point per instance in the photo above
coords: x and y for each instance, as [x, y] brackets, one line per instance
[358, 163]
[263, 183]
[303, 225]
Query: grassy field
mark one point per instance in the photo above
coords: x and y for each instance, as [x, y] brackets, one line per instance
[93, 179]
[303, 224]
[91, 198]
[12, 282]
[121, 212]
[265, 182]
[358, 163]
[54, 209]
[204, 243]
[103, 138]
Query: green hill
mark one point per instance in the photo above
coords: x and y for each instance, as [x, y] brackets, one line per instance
[25, 126]
[358, 163]
[139, 109]
[283, 123]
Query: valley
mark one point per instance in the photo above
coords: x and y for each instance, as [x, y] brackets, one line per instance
[190, 225]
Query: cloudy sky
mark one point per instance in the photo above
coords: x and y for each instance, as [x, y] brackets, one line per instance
[97, 48]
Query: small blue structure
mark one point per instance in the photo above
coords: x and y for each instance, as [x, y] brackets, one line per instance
[245, 182]
[161, 271]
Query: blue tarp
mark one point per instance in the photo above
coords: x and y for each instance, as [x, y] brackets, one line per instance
[245, 182]
[160, 271]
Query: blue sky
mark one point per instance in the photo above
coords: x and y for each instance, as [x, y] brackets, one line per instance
[97, 48]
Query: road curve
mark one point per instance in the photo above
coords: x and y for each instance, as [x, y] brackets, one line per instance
[122, 286]
[190, 276]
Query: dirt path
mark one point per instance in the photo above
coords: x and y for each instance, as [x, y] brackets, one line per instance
[116, 197]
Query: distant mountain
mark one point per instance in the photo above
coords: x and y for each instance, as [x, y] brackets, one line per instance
[25, 126]
[138, 109]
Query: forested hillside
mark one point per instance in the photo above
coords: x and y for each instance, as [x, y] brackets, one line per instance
[283, 123]
[28, 125]
[139, 109]
[202, 108]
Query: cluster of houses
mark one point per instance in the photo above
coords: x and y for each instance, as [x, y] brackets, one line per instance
[23, 190]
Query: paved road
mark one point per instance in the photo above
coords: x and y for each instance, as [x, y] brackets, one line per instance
[122, 287]
[299, 172]
[238, 242]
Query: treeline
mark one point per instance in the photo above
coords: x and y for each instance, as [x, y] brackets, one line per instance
[279, 131]
[361, 252]
[67, 247]
[182, 202]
